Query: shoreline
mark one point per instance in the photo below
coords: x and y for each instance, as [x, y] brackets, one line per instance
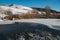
[49, 22]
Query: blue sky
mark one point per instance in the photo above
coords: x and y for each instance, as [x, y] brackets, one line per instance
[54, 4]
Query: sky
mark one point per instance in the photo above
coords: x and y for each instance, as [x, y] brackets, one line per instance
[54, 4]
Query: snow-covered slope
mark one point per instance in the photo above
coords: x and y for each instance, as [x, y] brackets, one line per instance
[20, 7]
[16, 9]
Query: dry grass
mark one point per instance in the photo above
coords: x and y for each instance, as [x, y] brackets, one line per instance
[28, 16]
[23, 16]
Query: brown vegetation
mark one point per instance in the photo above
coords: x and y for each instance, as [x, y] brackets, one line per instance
[30, 16]
[22, 16]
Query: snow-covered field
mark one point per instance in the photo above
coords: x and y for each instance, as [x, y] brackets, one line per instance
[52, 23]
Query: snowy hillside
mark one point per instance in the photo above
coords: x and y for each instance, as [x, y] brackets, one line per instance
[16, 8]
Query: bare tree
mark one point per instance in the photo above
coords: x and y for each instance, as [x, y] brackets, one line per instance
[48, 11]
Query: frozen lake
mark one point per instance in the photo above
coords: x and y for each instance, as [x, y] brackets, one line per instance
[52, 23]
[9, 29]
